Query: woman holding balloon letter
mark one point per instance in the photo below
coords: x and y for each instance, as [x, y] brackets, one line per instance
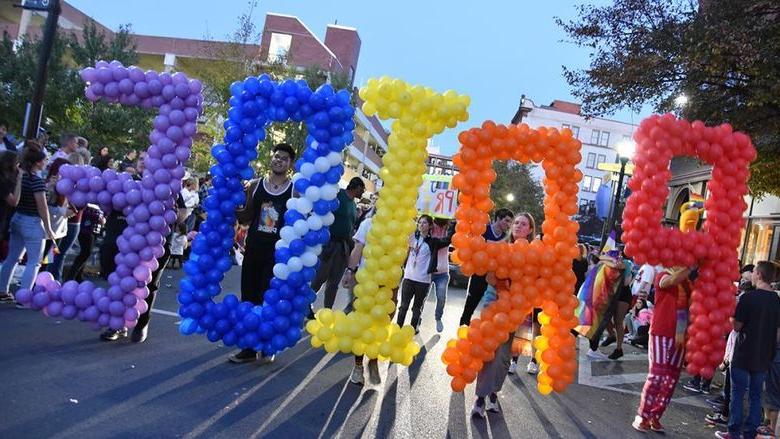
[491, 377]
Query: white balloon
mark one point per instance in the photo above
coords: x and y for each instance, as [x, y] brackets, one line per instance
[322, 164]
[316, 250]
[297, 176]
[315, 222]
[292, 203]
[309, 259]
[281, 244]
[313, 193]
[307, 169]
[329, 191]
[334, 158]
[303, 206]
[288, 234]
[301, 227]
[328, 219]
[281, 271]
[294, 264]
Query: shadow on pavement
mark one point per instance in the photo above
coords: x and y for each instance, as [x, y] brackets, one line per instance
[414, 368]
[456, 424]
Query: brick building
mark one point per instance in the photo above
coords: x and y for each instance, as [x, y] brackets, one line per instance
[284, 38]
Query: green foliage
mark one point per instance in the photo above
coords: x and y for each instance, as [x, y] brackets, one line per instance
[65, 107]
[723, 55]
[515, 178]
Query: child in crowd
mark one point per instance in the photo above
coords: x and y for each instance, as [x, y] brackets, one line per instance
[178, 244]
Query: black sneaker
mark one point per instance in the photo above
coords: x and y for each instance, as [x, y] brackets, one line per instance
[705, 389]
[243, 356]
[692, 386]
[139, 334]
[716, 402]
[716, 419]
[616, 354]
[113, 334]
[608, 341]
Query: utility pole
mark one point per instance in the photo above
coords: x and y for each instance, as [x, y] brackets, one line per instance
[50, 30]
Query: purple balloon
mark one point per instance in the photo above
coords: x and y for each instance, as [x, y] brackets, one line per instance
[178, 103]
[136, 74]
[111, 90]
[134, 197]
[83, 300]
[146, 254]
[114, 186]
[137, 242]
[128, 284]
[131, 315]
[170, 161]
[104, 198]
[88, 74]
[165, 78]
[162, 191]
[189, 129]
[168, 92]
[69, 297]
[91, 314]
[116, 323]
[182, 154]
[69, 312]
[65, 187]
[161, 123]
[104, 319]
[115, 293]
[195, 86]
[142, 228]
[142, 274]
[40, 300]
[142, 306]
[119, 200]
[126, 86]
[116, 308]
[23, 296]
[54, 309]
[96, 184]
[90, 95]
[155, 87]
[104, 75]
[130, 300]
[79, 199]
[182, 90]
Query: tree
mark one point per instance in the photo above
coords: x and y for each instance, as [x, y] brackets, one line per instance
[526, 194]
[723, 55]
[65, 107]
[234, 60]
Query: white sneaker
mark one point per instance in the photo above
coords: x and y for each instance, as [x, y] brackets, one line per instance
[266, 360]
[439, 326]
[357, 376]
[373, 372]
[532, 368]
[492, 406]
[596, 355]
[512, 368]
[478, 411]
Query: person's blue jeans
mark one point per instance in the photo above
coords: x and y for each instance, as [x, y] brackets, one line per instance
[27, 235]
[753, 383]
[440, 281]
[64, 244]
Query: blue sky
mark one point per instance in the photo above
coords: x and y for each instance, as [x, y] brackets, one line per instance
[493, 51]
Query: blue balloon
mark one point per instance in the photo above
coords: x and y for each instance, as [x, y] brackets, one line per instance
[333, 175]
[268, 313]
[283, 307]
[231, 301]
[311, 238]
[308, 273]
[266, 88]
[291, 216]
[276, 283]
[266, 330]
[317, 179]
[236, 88]
[213, 335]
[229, 339]
[603, 198]
[301, 185]
[282, 255]
[185, 298]
[281, 323]
[207, 321]
[295, 279]
[322, 207]
[297, 247]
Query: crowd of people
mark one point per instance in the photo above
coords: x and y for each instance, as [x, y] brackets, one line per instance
[645, 306]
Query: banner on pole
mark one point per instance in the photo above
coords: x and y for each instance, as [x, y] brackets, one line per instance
[437, 198]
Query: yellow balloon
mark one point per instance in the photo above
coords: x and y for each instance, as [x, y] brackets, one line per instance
[419, 113]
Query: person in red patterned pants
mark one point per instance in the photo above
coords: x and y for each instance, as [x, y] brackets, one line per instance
[666, 345]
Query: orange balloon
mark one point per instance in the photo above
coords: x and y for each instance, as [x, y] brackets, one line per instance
[539, 272]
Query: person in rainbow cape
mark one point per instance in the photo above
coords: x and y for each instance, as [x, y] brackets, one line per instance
[668, 330]
[601, 298]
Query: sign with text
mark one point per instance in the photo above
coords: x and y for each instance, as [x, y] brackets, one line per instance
[437, 197]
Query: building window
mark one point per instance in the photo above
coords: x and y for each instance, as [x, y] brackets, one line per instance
[604, 141]
[601, 159]
[596, 184]
[594, 137]
[586, 182]
[591, 163]
[575, 130]
[279, 47]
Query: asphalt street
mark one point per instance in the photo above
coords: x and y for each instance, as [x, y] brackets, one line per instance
[59, 380]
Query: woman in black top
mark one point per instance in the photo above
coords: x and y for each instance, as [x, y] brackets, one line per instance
[30, 223]
[10, 192]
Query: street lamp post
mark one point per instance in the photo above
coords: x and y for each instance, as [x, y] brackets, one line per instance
[625, 150]
[50, 29]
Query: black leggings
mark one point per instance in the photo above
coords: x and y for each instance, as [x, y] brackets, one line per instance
[411, 289]
[476, 290]
[257, 270]
[86, 242]
[154, 285]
